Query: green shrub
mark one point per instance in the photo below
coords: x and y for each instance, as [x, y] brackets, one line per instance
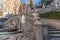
[51, 15]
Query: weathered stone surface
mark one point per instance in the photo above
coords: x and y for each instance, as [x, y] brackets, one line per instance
[11, 36]
[38, 32]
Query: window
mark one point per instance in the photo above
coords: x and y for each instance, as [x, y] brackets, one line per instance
[1, 4]
[59, 3]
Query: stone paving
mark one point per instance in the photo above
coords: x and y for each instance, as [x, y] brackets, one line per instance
[30, 32]
[21, 36]
[52, 22]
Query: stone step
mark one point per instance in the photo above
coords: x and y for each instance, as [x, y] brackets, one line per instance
[54, 39]
[54, 35]
[54, 32]
[53, 29]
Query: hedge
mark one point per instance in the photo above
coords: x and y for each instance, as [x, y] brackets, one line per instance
[51, 15]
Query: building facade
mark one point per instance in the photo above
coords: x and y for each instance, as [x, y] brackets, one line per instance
[1, 7]
[9, 7]
[57, 3]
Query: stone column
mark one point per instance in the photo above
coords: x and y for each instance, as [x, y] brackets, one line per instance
[43, 6]
[38, 32]
[45, 32]
[38, 27]
[41, 30]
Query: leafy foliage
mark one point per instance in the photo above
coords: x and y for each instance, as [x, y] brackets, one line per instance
[31, 4]
[51, 15]
[46, 2]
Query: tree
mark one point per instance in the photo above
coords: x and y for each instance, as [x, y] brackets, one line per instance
[47, 2]
[31, 4]
[38, 5]
[44, 2]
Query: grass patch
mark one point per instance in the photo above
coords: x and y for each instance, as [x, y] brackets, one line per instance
[51, 15]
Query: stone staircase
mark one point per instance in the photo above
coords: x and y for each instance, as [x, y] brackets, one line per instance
[54, 34]
[44, 10]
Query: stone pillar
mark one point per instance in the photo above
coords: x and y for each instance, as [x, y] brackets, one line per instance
[28, 10]
[23, 19]
[43, 6]
[38, 32]
[38, 27]
[45, 32]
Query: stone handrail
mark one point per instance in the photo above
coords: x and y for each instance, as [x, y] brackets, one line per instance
[43, 10]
